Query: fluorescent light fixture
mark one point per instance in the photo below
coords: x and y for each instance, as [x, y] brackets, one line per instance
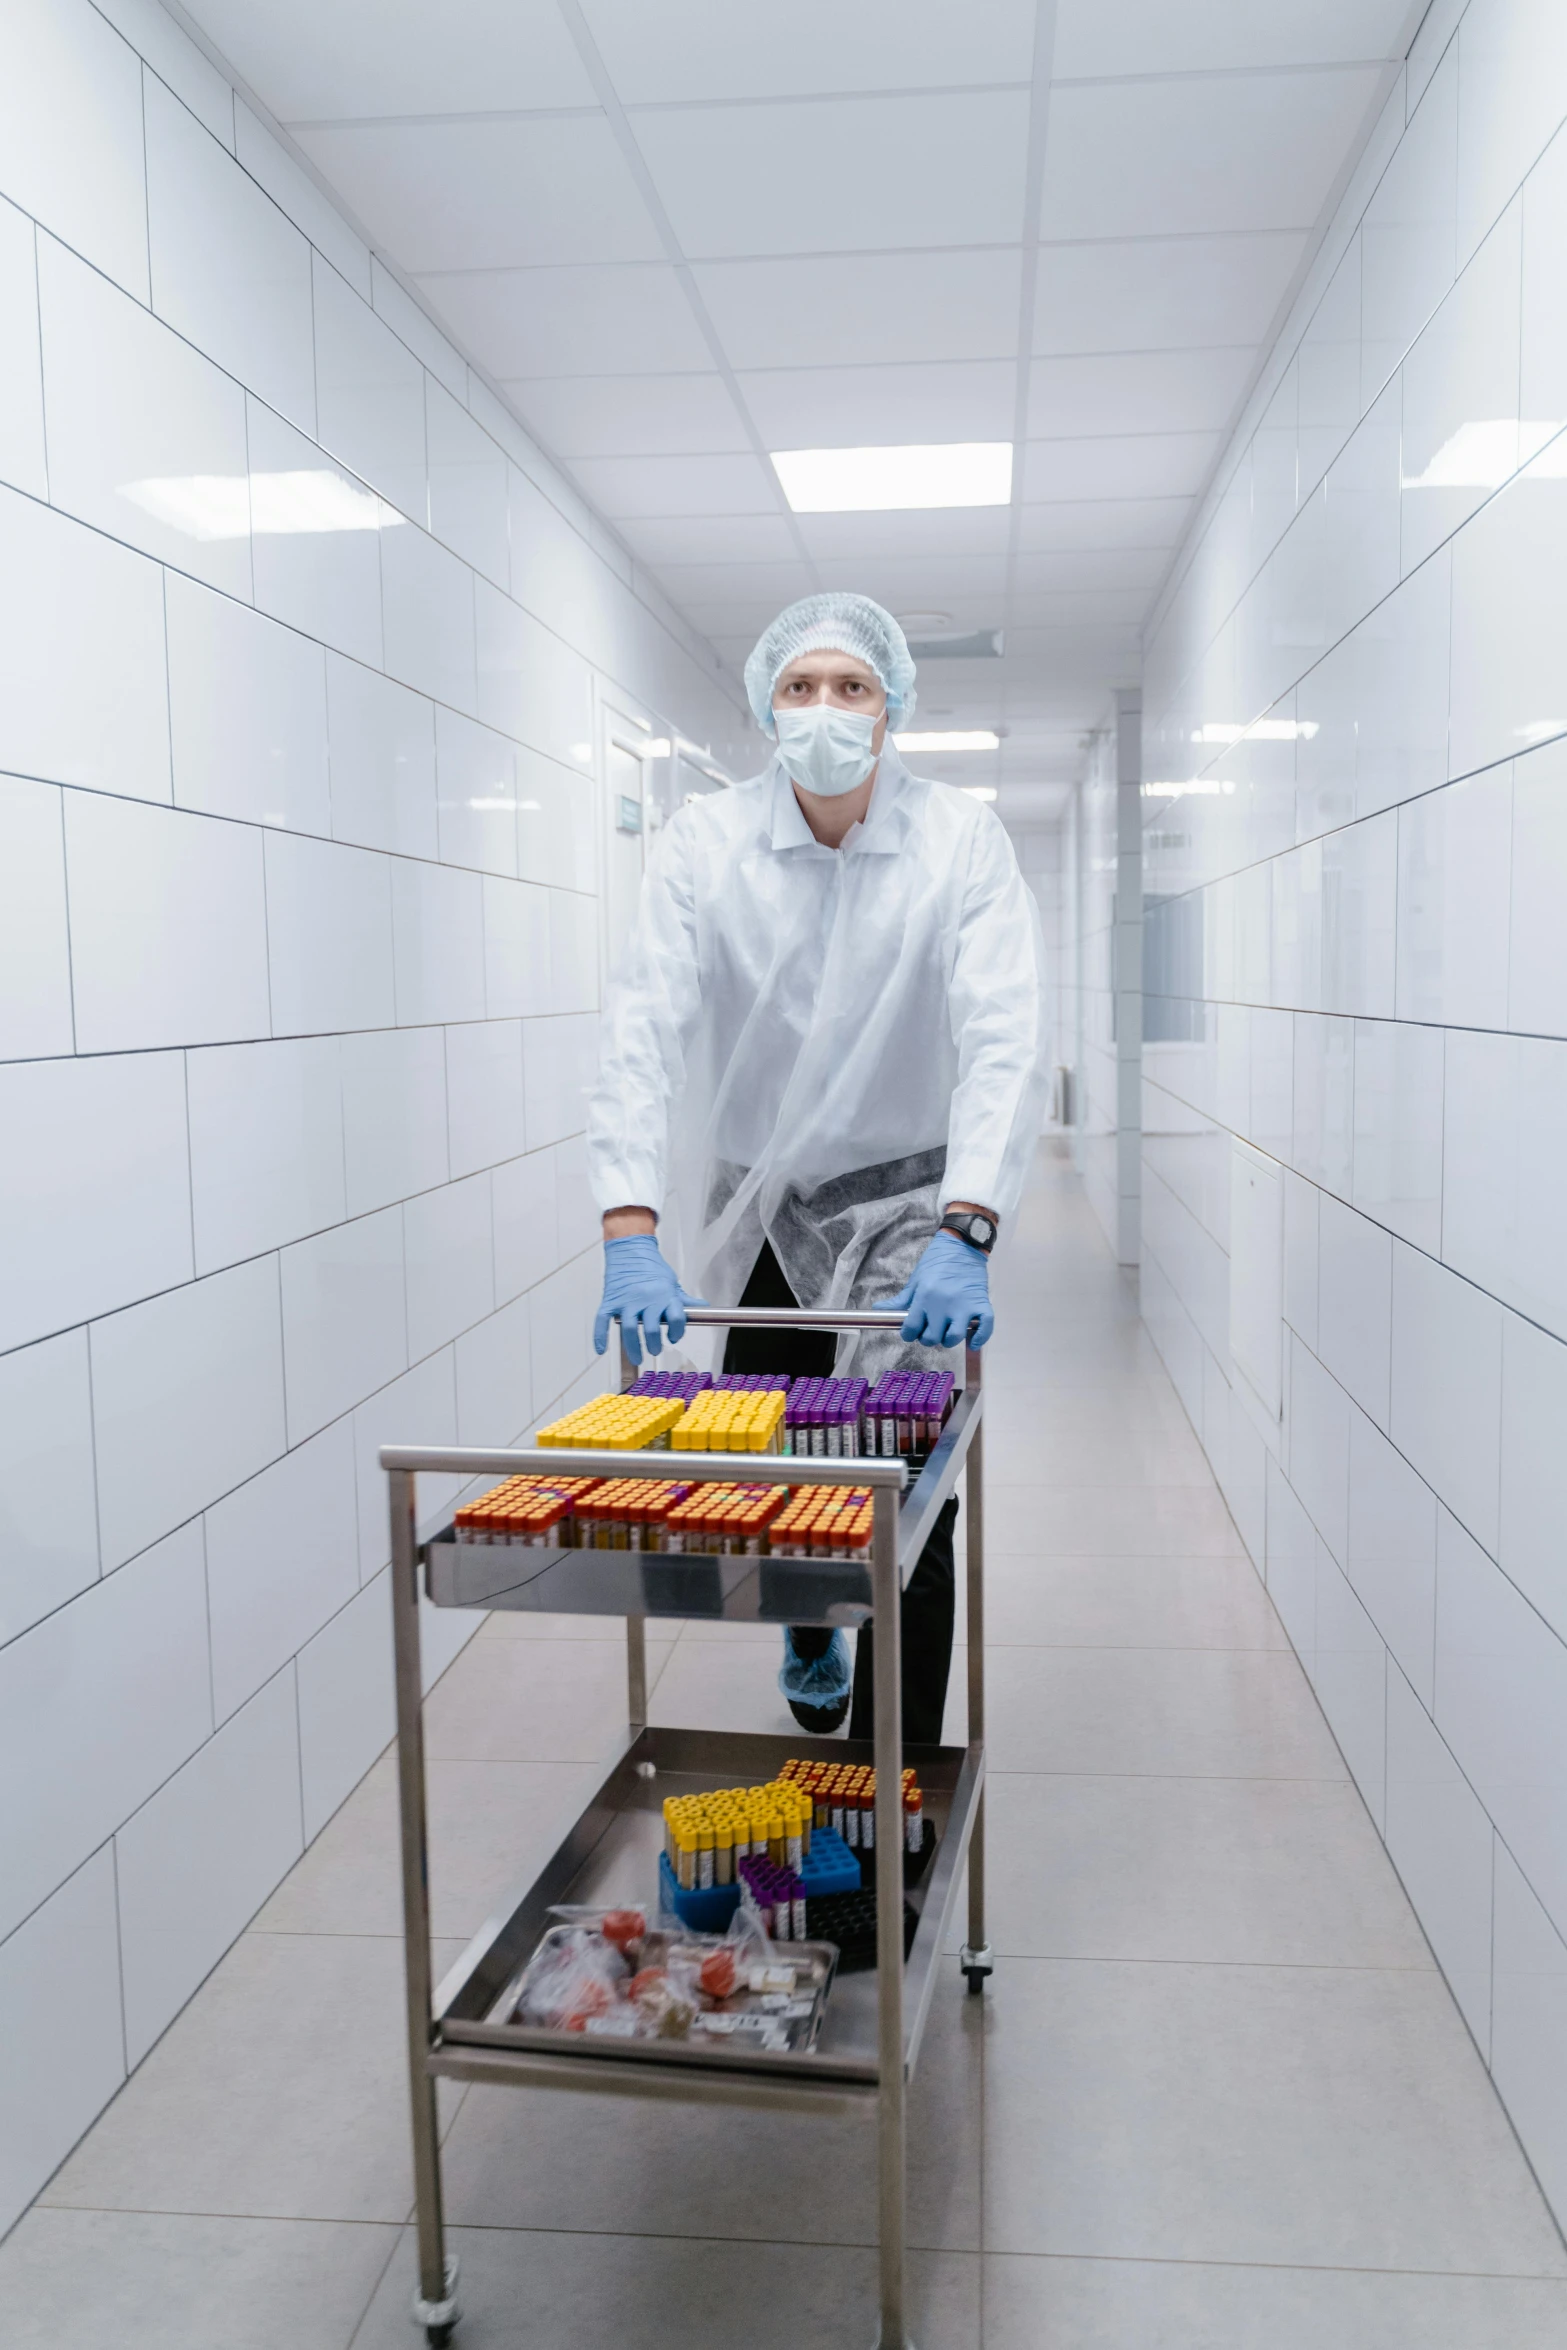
[976, 738]
[1484, 453]
[1262, 730]
[208, 506]
[877, 481]
[979, 791]
[657, 746]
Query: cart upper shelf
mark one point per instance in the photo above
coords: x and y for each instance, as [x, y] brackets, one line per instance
[694, 1586]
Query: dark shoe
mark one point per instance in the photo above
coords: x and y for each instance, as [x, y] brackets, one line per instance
[820, 1720]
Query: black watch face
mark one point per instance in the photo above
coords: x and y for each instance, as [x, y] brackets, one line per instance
[978, 1229]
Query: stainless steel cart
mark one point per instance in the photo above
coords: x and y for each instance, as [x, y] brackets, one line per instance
[871, 2033]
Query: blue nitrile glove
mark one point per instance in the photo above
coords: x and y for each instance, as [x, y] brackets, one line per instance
[642, 1295]
[949, 1289]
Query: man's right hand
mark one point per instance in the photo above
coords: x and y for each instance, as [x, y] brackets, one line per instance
[642, 1294]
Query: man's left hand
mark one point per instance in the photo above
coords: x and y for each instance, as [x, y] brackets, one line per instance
[948, 1291]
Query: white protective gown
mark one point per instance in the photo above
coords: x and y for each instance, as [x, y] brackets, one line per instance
[822, 1046]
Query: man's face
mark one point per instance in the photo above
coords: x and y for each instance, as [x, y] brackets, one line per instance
[838, 679]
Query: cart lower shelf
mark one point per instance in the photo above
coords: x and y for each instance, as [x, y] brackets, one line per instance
[610, 1857]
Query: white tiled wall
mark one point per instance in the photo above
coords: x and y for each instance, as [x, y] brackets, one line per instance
[1362, 916]
[302, 649]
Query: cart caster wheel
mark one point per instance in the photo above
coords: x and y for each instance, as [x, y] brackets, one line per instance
[439, 2318]
[977, 1966]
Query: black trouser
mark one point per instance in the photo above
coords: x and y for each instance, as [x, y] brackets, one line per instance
[926, 1614]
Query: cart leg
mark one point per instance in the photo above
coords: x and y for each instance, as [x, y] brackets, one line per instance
[636, 1626]
[435, 2302]
[636, 1671]
[975, 1959]
[890, 2150]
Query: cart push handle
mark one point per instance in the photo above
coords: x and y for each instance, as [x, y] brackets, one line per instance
[794, 1318]
[797, 1318]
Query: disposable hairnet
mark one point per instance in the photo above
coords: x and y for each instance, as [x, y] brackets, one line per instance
[835, 623]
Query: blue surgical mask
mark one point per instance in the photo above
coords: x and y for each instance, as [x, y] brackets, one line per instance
[826, 750]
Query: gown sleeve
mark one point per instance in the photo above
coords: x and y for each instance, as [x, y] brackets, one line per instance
[997, 1002]
[650, 1014]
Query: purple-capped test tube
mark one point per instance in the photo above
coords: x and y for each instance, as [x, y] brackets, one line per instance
[943, 1387]
[875, 1412]
[798, 1413]
[844, 1433]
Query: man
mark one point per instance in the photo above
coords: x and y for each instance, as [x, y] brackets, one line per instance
[823, 1050]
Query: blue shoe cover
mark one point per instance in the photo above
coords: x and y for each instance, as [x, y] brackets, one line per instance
[824, 1681]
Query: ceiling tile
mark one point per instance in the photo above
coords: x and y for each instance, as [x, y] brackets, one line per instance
[1057, 650]
[714, 49]
[1149, 36]
[620, 319]
[627, 416]
[712, 583]
[676, 486]
[1104, 522]
[1162, 293]
[708, 538]
[489, 195]
[1129, 465]
[1241, 151]
[733, 651]
[924, 584]
[1081, 607]
[936, 530]
[833, 311]
[1092, 567]
[841, 174]
[373, 57]
[748, 614]
[876, 407]
[1137, 392]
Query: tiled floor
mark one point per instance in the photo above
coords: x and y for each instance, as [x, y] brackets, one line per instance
[1218, 2097]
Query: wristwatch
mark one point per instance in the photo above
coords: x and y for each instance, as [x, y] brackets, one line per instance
[978, 1231]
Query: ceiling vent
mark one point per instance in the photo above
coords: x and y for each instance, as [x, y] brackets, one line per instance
[981, 644]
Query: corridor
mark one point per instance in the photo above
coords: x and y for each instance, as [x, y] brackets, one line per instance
[1218, 2096]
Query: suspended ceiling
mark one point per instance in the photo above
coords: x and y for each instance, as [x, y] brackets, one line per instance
[682, 235]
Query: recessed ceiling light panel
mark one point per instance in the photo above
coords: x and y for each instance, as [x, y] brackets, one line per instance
[878, 481]
[974, 738]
